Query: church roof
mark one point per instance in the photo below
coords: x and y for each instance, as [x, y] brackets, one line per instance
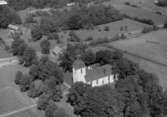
[99, 72]
[78, 64]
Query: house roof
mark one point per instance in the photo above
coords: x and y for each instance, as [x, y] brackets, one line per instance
[3, 2]
[13, 27]
[78, 64]
[99, 72]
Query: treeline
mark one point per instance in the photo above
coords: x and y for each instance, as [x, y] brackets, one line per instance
[8, 16]
[23, 4]
[135, 94]
[161, 3]
[77, 18]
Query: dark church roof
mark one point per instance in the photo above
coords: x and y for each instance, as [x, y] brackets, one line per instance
[97, 73]
[78, 64]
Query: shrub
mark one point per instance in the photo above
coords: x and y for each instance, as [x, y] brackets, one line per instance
[165, 25]
[99, 41]
[18, 77]
[89, 38]
[106, 28]
[29, 19]
[36, 33]
[147, 29]
[53, 36]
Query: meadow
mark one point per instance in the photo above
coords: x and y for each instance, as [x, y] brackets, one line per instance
[152, 46]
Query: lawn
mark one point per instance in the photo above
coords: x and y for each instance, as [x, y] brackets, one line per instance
[152, 46]
[114, 27]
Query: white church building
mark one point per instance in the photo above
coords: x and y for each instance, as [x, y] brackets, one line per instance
[94, 75]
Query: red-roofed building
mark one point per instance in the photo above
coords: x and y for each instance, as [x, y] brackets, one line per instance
[94, 75]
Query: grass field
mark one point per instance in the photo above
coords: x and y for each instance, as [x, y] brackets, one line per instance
[27, 113]
[7, 74]
[11, 98]
[152, 46]
[114, 29]
[10, 101]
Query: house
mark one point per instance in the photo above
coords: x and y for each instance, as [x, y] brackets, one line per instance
[94, 75]
[14, 29]
[3, 2]
[71, 4]
[57, 50]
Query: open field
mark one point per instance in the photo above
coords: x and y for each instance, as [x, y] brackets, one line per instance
[10, 101]
[27, 113]
[7, 74]
[152, 46]
[114, 29]
[4, 54]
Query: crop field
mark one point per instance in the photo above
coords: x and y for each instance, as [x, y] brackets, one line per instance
[152, 46]
[114, 28]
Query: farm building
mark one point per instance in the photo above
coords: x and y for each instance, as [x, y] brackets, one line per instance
[94, 75]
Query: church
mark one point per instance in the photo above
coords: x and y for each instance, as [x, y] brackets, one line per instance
[95, 75]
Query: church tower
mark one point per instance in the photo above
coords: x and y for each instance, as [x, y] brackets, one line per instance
[79, 71]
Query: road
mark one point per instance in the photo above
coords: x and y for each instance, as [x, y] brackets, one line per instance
[8, 61]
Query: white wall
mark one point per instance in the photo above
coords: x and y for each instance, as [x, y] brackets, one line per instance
[103, 81]
[79, 75]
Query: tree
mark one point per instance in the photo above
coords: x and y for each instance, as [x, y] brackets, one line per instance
[43, 102]
[45, 46]
[29, 57]
[18, 47]
[46, 69]
[3, 21]
[54, 89]
[60, 113]
[70, 54]
[36, 33]
[76, 91]
[104, 56]
[37, 88]
[53, 36]
[50, 109]
[89, 57]
[18, 77]
[25, 83]
[85, 102]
